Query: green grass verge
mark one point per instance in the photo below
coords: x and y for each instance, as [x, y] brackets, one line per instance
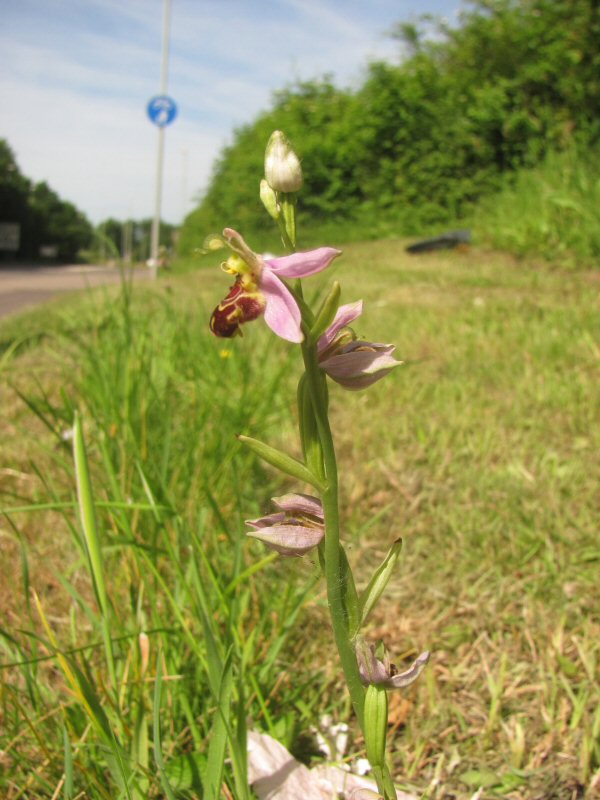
[551, 211]
[481, 451]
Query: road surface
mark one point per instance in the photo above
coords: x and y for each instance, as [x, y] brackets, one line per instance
[22, 287]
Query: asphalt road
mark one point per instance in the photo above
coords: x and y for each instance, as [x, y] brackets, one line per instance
[22, 287]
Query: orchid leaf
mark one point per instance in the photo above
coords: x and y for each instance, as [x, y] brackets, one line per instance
[287, 203]
[288, 464]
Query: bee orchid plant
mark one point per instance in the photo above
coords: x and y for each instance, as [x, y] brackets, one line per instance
[330, 349]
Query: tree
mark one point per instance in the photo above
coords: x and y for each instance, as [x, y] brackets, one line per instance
[14, 187]
[130, 239]
[43, 217]
[58, 223]
[425, 138]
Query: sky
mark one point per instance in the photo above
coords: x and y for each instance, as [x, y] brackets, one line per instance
[76, 77]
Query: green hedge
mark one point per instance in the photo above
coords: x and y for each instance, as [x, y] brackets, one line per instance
[419, 142]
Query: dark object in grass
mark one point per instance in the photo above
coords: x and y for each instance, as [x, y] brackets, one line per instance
[444, 240]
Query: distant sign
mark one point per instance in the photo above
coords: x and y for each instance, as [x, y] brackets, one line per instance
[48, 250]
[10, 236]
[161, 110]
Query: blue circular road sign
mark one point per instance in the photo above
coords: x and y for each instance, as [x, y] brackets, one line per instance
[161, 110]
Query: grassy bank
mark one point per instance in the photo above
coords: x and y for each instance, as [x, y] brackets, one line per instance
[550, 211]
[481, 451]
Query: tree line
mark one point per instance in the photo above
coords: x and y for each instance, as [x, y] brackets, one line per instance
[52, 228]
[130, 240]
[47, 225]
[422, 140]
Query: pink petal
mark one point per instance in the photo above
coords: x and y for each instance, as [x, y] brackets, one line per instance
[274, 774]
[289, 540]
[404, 679]
[345, 315]
[282, 314]
[301, 265]
[300, 504]
[356, 368]
[359, 362]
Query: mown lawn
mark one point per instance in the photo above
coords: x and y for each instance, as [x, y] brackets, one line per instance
[481, 451]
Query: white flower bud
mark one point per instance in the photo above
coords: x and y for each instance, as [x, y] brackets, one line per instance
[282, 166]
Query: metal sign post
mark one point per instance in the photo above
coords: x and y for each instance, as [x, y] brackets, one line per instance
[162, 111]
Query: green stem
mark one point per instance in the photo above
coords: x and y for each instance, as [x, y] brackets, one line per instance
[287, 240]
[287, 219]
[335, 561]
[332, 547]
[341, 592]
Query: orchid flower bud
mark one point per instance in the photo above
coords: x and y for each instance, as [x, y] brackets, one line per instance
[282, 166]
[376, 722]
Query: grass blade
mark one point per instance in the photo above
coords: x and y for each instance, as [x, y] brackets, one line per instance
[87, 514]
[68, 785]
[158, 757]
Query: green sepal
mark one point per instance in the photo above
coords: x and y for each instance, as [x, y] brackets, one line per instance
[326, 313]
[376, 720]
[371, 594]
[291, 466]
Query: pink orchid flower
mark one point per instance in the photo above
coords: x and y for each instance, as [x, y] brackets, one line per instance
[382, 673]
[352, 363]
[295, 529]
[258, 289]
